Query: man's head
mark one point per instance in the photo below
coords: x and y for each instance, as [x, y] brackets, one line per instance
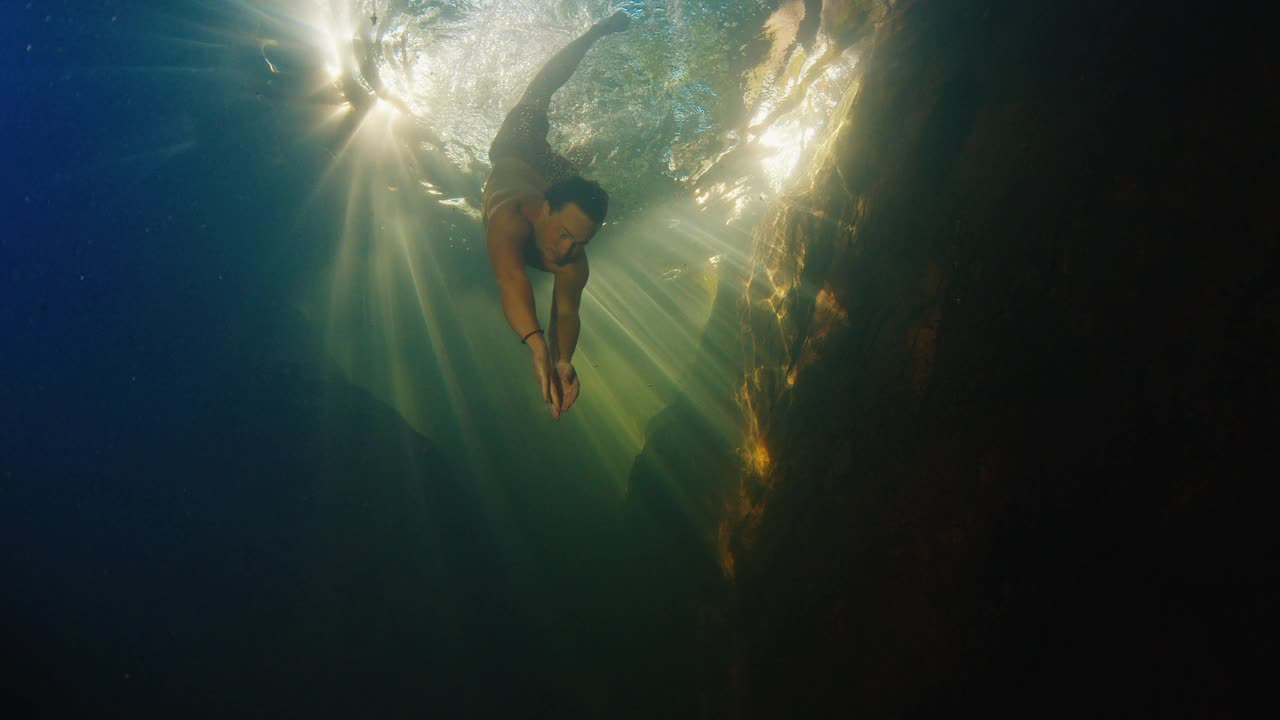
[573, 212]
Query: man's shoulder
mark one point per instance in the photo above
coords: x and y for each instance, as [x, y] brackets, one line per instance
[506, 221]
[513, 176]
[508, 196]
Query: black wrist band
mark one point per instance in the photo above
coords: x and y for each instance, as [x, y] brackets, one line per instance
[531, 334]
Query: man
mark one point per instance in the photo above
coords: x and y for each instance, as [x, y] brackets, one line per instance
[539, 213]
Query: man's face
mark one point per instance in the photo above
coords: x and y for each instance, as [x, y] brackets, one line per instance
[563, 233]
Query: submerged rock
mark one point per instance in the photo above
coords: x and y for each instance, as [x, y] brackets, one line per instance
[1001, 388]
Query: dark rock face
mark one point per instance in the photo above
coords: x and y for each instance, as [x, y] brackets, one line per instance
[1009, 373]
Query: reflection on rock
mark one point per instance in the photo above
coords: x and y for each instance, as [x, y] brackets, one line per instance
[990, 457]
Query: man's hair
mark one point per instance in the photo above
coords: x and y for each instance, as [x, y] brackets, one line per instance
[586, 194]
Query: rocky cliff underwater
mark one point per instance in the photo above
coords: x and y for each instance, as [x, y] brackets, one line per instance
[1007, 369]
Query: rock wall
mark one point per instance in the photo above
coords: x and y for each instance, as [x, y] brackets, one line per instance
[1007, 373]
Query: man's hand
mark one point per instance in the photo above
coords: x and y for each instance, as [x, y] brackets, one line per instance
[547, 379]
[567, 380]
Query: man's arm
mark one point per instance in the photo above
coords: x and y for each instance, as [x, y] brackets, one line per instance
[503, 238]
[565, 325]
[504, 235]
[565, 301]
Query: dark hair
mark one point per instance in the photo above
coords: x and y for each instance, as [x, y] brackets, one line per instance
[586, 194]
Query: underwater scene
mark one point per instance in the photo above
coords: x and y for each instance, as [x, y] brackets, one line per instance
[920, 367]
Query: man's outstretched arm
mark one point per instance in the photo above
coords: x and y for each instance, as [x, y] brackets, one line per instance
[504, 235]
[566, 300]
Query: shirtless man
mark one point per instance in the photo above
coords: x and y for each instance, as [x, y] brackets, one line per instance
[539, 213]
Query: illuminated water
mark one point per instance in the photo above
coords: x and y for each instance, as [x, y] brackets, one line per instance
[229, 216]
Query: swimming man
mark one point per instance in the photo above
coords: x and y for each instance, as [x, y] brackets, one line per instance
[540, 213]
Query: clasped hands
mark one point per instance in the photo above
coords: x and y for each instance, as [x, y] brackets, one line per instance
[558, 381]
